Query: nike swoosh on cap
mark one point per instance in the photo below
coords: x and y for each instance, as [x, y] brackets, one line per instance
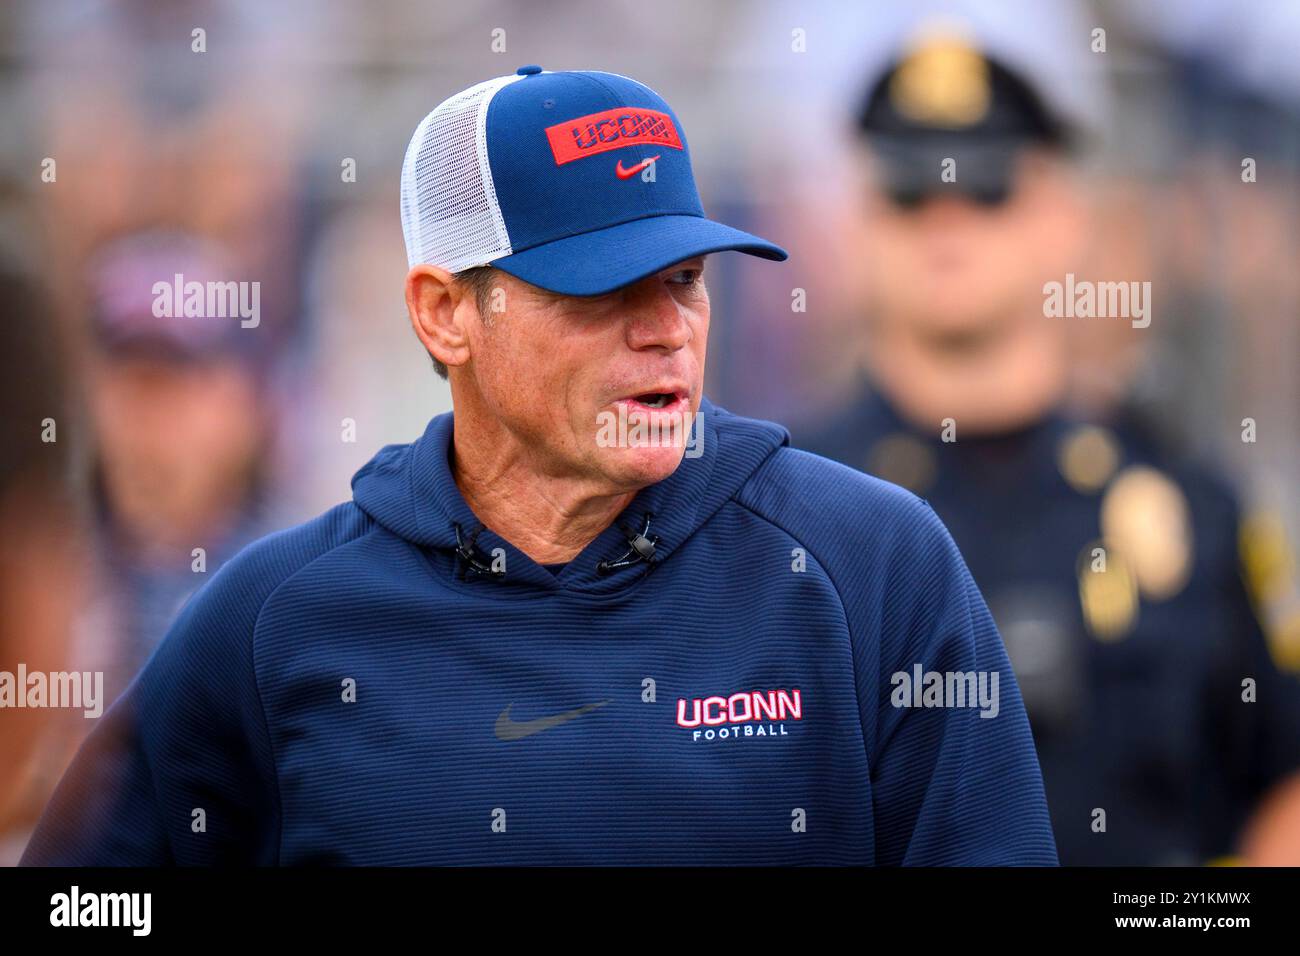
[622, 173]
[507, 729]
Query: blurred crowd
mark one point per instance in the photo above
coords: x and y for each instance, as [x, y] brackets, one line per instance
[1125, 493]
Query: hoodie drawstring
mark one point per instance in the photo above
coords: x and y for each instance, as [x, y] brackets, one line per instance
[475, 559]
[640, 547]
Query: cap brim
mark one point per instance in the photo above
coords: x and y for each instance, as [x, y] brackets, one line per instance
[601, 261]
[919, 160]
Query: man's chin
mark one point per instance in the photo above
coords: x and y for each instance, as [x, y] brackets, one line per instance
[639, 467]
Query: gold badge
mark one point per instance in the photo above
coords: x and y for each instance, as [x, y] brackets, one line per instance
[1269, 569]
[1145, 515]
[1283, 632]
[1266, 556]
[943, 81]
[1107, 591]
[1087, 457]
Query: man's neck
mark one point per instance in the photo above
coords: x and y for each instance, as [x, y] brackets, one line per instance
[997, 384]
[551, 519]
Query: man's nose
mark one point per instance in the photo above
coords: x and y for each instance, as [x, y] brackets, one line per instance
[656, 318]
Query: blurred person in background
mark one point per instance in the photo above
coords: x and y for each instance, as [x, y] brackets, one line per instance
[1111, 568]
[1230, 190]
[132, 121]
[42, 560]
[182, 425]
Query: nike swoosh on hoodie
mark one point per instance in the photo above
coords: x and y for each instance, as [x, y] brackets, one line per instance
[332, 694]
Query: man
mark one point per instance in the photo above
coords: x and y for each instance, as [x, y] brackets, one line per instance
[181, 436]
[1111, 567]
[538, 634]
[175, 464]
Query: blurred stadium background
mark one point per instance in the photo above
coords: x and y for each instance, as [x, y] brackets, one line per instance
[237, 162]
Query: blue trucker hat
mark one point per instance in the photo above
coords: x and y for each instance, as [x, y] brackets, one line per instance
[577, 182]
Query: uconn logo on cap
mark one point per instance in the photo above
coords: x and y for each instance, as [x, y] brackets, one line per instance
[613, 129]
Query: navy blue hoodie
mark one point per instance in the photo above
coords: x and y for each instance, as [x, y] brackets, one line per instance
[759, 687]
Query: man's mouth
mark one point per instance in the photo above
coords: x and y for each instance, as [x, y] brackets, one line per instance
[668, 400]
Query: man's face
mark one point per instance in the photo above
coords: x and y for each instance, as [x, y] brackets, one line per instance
[177, 441]
[951, 267]
[558, 374]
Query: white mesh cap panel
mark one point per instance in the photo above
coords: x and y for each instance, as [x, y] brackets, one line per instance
[450, 215]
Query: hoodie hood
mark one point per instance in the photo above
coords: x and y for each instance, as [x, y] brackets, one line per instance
[410, 491]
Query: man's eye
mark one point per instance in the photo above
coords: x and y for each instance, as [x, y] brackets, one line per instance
[686, 276]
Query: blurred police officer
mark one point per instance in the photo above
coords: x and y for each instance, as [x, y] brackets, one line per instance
[1112, 570]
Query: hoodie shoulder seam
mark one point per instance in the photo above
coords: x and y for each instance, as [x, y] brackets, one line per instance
[839, 595]
[763, 466]
[794, 537]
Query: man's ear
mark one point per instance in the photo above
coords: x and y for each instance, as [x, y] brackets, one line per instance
[439, 309]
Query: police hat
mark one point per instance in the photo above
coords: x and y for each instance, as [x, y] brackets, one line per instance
[947, 106]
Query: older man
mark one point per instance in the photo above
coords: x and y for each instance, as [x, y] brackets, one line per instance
[588, 617]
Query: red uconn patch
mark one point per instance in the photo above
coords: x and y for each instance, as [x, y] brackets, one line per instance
[612, 129]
